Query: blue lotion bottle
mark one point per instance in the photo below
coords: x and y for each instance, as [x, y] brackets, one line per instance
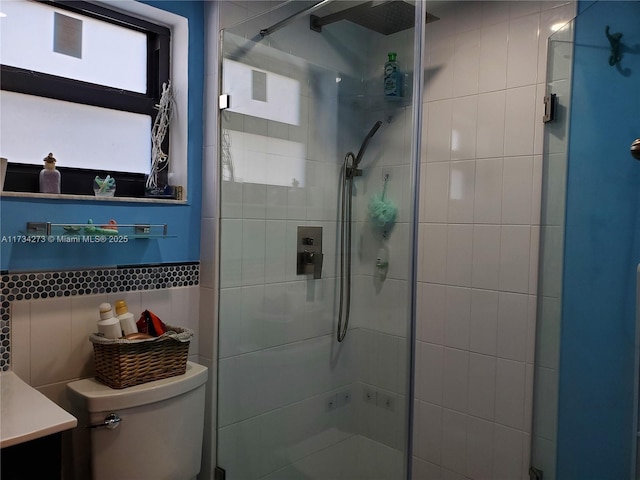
[392, 77]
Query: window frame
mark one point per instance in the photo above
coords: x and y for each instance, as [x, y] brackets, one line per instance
[29, 82]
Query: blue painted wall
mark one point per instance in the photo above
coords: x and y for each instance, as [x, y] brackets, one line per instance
[602, 251]
[183, 220]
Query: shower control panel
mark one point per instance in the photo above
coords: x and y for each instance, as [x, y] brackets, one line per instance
[309, 251]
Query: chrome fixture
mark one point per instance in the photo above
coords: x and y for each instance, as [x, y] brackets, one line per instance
[282, 23]
[550, 106]
[309, 255]
[111, 421]
[349, 171]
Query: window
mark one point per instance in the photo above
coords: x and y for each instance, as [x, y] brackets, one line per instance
[81, 81]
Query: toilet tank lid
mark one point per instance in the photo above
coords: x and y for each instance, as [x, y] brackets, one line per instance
[94, 396]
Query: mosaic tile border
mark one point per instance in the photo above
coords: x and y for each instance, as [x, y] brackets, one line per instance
[68, 283]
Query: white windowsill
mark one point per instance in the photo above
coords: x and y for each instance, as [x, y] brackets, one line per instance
[64, 196]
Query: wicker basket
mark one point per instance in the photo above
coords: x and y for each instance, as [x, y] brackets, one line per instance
[124, 363]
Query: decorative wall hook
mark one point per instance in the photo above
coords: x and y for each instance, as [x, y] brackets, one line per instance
[614, 40]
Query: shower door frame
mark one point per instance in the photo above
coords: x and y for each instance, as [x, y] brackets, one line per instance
[415, 159]
[416, 148]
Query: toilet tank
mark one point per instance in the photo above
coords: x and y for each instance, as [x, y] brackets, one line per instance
[160, 433]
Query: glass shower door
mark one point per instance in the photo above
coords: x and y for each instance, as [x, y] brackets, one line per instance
[552, 231]
[586, 373]
[293, 402]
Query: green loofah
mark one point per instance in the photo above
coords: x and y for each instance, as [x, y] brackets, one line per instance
[382, 211]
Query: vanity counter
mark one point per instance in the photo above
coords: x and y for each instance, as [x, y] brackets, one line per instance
[26, 414]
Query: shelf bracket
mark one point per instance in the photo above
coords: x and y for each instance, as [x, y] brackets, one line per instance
[39, 228]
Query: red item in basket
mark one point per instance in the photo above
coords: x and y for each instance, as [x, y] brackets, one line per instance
[151, 324]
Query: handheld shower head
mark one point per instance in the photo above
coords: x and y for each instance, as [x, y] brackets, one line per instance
[363, 147]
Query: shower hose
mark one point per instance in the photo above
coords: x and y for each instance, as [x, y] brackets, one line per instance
[345, 246]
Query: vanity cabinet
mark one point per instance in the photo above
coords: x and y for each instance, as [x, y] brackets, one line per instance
[35, 459]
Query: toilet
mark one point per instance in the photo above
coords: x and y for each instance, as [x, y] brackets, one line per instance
[151, 431]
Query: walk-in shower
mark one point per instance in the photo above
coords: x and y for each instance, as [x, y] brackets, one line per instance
[349, 171]
[292, 401]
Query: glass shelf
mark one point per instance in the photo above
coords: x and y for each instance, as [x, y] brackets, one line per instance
[375, 102]
[69, 231]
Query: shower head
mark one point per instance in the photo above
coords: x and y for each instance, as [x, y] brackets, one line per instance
[382, 16]
[363, 147]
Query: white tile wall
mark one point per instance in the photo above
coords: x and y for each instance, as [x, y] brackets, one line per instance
[21, 340]
[482, 381]
[464, 118]
[519, 121]
[484, 321]
[51, 331]
[253, 255]
[508, 455]
[434, 258]
[512, 326]
[488, 190]
[517, 189]
[429, 434]
[439, 72]
[466, 64]
[514, 258]
[491, 130]
[478, 239]
[457, 317]
[486, 256]
[522, 55]
[461, 191]
[479, 449]
[438, 130]
[493, 54]
[454, 441]
[431, 313]
[510, 393]
[459, 254]
[83, 308]
[455, 379]
[429, 365]
[435, 200]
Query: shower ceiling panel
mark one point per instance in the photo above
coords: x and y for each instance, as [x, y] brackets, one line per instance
[386, 17]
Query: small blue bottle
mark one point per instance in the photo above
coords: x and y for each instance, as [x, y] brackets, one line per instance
[392, 77]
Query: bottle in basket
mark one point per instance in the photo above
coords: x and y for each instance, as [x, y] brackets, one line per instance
[127, 322]
[109, 326]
